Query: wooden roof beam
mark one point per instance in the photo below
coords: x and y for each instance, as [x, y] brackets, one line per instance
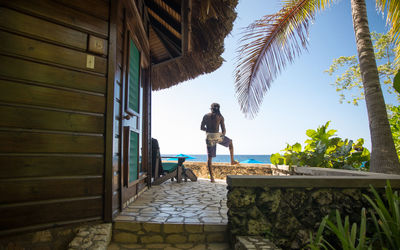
[164, 15]
[164, 24]
[172, 5]
[165, 34]
[169, 45]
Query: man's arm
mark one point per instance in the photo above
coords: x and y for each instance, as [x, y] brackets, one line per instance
[203, 124]
[222, 123]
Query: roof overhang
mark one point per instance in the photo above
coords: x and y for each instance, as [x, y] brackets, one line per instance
[187, 37]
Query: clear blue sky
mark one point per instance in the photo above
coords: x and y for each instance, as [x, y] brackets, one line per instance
[300, 98]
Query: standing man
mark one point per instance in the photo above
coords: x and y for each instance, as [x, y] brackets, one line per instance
[210, 124]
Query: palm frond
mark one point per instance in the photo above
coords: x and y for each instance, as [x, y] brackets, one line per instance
[392, 8]
[267, 45]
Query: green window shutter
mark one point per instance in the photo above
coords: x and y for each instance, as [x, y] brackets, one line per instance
[134, 65]
[133, 156]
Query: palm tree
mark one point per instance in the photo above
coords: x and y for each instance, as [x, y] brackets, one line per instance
[269, 43]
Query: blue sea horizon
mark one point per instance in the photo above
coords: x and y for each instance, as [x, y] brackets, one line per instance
[265, 159]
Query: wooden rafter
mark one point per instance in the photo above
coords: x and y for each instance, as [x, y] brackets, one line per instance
[171, 7]
[166, 25]
[169, 18]
[173, 48]
[166, 34]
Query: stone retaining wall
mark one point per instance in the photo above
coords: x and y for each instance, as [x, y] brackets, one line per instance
[286, 209]
[92, 237]
[222, 170]
[54, 238]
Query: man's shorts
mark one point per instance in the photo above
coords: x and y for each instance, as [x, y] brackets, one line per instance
[212, 140]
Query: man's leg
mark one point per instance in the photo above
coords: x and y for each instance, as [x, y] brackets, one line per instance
[209, 163]
[211, 152]
[231, 152]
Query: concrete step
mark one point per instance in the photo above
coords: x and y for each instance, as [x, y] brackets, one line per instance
[170, 246]
[159, 233]
[91, 237]
[254, 243]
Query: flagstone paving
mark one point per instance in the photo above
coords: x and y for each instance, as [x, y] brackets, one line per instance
[189, 202]
[200, 206]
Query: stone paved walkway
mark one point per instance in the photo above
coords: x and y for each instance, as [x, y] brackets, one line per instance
[200, 202]
[188, 203]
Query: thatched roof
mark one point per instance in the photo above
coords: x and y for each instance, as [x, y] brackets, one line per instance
[207, 44]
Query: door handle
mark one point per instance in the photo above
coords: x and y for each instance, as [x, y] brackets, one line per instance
[127, 117]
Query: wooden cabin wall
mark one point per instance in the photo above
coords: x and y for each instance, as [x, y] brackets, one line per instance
[52, 109]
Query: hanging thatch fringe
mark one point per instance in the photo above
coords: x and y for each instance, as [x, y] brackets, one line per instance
[207, 46]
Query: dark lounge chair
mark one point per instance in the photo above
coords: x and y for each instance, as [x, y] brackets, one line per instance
[168, 170]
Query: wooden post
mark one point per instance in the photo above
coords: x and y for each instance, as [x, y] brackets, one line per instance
[146, 160]
[179, 174]
[108, 157]
[186, 15]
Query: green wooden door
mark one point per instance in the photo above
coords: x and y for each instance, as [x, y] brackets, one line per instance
[132, 116]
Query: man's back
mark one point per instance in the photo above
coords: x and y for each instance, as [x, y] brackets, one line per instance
[211, 123]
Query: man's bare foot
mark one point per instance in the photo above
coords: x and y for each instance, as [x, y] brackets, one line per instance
[212, 180]
[234, 162]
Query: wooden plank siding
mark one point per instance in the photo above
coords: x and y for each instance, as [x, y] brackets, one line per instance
[24, 24]
[17, 117]
[53, 112]
[54, 212]
[21, 93]
[92, 7]
[45, 142]
[42, 165]
[58, 13]
[48, 188]
[24, 70]
[47, 53]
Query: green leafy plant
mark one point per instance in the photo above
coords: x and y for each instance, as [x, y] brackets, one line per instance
[387, 221]
[394, 121]
[319, 242]
[385, 215]
[350, 238]
[396, 81]
[323, 149]
[346, 69]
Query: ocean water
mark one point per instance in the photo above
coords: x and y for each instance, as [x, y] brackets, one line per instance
[227, 158]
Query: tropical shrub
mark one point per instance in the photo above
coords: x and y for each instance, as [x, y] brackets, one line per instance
[386, 217]
[324, 150]
[384, 232]
[348, 238]
[394, 121]
[348, 81]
